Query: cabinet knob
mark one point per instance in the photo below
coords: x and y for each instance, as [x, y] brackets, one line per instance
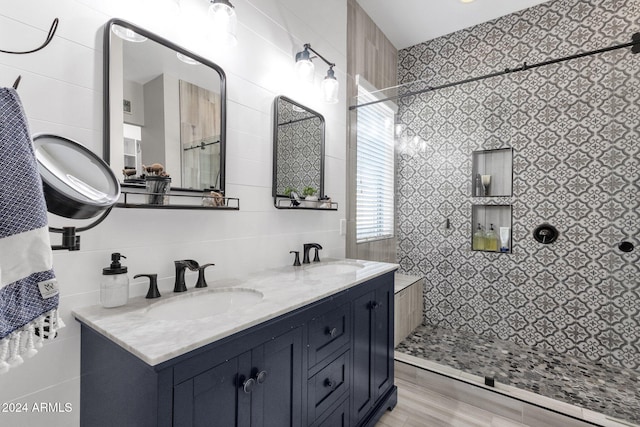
[332, 332]
[375, 305]
[261, 377]
[248, 385]
[331, 384]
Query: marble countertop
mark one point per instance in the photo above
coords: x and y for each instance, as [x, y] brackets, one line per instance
[284, 289]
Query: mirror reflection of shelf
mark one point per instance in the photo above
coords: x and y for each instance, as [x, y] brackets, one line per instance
[486, 215]
[285, 203]
[492, 173]
[177, 200]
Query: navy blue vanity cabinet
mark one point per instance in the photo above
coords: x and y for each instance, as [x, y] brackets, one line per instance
[373, 351]
[327, 364]
[259, 388]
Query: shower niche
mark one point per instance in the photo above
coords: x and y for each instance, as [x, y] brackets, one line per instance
[492, 176]
[492, 173]
[491, 228]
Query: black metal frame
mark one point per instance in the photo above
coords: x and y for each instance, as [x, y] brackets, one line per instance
[634, 44]
[106, 118]
[275, 148]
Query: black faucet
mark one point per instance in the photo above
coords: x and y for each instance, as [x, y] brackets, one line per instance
[181, 266]
[307, 247]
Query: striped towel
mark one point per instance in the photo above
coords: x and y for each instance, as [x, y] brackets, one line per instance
[28, 288]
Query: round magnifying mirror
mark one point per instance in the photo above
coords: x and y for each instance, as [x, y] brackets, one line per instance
[77, 183]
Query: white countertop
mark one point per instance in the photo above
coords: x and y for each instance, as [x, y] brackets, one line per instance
[284, 289]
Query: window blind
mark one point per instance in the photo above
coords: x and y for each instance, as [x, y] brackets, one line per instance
[374, 169]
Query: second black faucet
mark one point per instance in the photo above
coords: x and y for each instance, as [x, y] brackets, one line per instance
[307, 248]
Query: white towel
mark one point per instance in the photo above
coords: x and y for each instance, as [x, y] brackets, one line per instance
[28, 288]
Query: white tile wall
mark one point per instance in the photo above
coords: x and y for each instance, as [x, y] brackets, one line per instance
[61, 90]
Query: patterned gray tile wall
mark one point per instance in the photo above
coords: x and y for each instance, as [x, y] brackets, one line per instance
[576, 139]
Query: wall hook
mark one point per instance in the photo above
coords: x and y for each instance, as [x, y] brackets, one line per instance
[17, 82]
[52, 32]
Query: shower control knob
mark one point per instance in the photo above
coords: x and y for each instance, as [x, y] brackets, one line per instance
[626, 246]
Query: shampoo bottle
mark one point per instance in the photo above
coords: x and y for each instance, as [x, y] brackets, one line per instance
[491, 240]
[114, 287]
[478, 239]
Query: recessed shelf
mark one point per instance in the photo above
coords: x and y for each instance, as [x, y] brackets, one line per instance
[486, 215]
[492, 173]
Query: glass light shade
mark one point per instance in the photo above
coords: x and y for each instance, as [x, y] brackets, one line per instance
[305, 70]
[127, 34]
[330, 87]
[224, 22]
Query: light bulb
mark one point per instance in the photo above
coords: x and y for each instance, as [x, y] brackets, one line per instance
[304, 67]
[330, 87]
[224, 22]
[127, 34]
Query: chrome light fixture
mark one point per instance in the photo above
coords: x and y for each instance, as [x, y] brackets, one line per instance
[224, 23]
[305, 71]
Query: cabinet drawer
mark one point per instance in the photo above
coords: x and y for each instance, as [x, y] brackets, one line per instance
[335, 417]
[327, 333]
[328, 386]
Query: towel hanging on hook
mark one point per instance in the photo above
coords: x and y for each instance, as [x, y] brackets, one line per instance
[52, 32]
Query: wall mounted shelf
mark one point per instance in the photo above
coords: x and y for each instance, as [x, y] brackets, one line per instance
[285, 203]
[187, 200]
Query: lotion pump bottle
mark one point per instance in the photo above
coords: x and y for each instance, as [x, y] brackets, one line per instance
[479, 239]
[491, 242]
[114, 287]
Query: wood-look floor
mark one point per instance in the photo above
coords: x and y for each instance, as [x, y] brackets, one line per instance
[421, 407]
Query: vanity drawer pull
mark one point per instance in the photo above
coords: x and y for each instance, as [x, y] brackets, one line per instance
[261, 377]
[248, 385]
[331, 384]
[332, 332]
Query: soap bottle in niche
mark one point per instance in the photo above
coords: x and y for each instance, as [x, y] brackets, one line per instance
[478, 239]
[491, 240]
[114, 287]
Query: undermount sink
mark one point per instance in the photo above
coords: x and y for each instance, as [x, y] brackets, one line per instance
[334, 268]
[200, 305]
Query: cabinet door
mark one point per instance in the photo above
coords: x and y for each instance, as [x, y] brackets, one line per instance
[276, 400]
[210, 399]
[372, 348]
[363, 394]
[382, 351]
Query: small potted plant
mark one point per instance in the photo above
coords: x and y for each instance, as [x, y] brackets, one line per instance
[310, 198]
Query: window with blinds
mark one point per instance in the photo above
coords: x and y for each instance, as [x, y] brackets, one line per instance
[374, 168]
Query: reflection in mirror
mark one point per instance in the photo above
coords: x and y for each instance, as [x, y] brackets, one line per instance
[298, 158]
[165, 108]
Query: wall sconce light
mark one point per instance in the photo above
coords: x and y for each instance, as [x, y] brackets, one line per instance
[305, 71]
[224, 23]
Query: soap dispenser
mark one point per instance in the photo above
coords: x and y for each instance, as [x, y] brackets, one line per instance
[479, 239]
[114, 288]
[491, 240]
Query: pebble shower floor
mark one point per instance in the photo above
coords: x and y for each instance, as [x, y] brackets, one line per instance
[602, 388]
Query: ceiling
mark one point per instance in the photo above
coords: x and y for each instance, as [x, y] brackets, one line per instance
[409, 22]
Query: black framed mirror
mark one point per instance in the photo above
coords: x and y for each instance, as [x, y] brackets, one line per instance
[162, 105]
[298, 156]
